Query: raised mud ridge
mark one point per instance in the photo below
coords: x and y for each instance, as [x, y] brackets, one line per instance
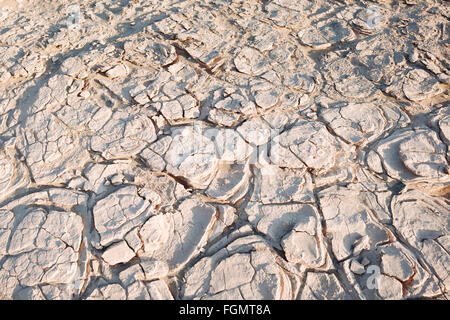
[224, 149]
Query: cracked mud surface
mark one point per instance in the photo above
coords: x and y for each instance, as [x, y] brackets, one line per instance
[225, 149]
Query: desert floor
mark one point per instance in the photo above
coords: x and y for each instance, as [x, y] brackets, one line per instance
[224, 149]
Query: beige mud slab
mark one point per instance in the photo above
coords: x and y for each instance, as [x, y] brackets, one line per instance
[281, 149]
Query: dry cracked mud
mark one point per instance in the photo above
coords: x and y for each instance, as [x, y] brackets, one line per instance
[224, 149]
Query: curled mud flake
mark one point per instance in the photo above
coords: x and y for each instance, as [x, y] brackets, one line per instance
[153, 160]
[156, 232]
[307, 254]
[395, 264]
[192, 155]
[280, 221]
[422, 220]
[267, 99]
[235, 103]
[344, 210]
[415, 155]
[423, 155]
[250, 61]
[175, 237]
[230, 183]
[172, 110]
[117, 253]
[118, 71]
[312, 144]
[369, 20]
[255, 131]
[361, 123]
[305, 244]
[261, 276]
[420, 85]
[118, 213]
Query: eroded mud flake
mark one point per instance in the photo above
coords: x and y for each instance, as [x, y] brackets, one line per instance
[264, 278]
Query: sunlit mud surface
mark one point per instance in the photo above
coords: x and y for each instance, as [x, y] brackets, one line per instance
[276, 149]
